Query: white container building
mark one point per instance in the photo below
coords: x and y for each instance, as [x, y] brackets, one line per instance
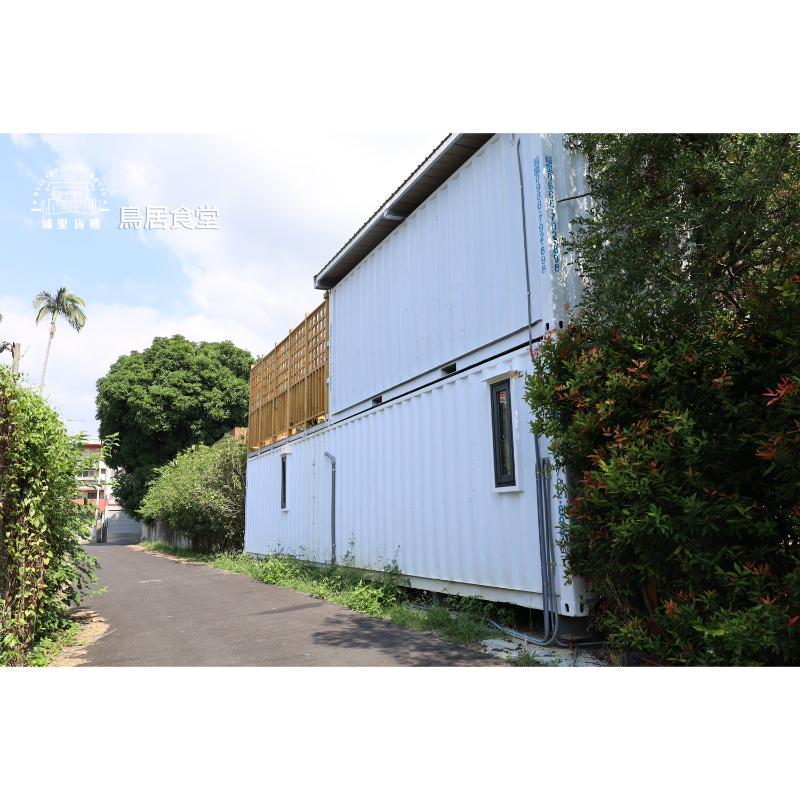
[432, 305]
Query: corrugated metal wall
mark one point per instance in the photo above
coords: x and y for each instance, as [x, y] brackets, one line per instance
[450, 279]
[414, 481]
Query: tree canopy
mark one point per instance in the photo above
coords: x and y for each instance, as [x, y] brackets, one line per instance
[684, 225]
[172, 395]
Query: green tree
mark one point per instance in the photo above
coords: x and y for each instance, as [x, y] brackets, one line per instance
[62, 304]
[672, 397]
[165, 399]
[684, 225]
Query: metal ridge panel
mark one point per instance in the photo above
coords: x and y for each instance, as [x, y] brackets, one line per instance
[449, 156]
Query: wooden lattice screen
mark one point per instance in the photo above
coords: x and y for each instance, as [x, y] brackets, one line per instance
[289, 386]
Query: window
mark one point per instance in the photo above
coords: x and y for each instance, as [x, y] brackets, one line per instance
[283, 481]
[503, 444]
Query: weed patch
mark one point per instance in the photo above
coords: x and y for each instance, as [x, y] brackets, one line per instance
[454, 624]
[48, 648]
[530, 658]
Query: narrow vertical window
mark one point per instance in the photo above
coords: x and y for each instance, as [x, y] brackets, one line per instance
[283, 481]
[502, 435]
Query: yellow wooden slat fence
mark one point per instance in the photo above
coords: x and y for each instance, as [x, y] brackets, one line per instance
[289, 386]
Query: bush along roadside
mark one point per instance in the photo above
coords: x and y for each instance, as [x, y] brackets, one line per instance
[685, 511]
[381, 593]
[43, 568]
[201, 493]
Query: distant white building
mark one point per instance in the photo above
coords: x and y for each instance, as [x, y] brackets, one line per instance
[95, 483]
[431, 306]
[95, 489]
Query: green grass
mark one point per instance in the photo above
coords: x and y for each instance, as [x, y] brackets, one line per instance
[382, 594]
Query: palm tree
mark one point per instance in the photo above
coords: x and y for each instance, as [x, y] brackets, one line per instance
[64, 304]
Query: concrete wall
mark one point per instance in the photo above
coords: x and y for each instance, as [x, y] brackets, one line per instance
[161, 532]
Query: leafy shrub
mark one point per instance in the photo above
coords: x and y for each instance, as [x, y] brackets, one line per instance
[43, 567]
[685, 508]
[202, 494]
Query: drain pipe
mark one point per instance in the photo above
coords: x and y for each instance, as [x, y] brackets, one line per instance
[525, 248]
[333, 507]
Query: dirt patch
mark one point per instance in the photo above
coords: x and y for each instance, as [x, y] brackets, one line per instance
[159, 554]
[91, 627]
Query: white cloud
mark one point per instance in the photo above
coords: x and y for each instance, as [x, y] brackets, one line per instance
[24, 140]
[27, 221]
[287, 203]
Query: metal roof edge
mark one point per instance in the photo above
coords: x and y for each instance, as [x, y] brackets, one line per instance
[344, 261]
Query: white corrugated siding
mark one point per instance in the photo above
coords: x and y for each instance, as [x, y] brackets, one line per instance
[414, 481]
[452, 277]
[449, 280]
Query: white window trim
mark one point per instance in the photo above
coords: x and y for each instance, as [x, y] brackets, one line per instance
[513, 376]
[285, 452]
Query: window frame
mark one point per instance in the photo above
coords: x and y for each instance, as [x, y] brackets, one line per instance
[501, 481]
[284, 504]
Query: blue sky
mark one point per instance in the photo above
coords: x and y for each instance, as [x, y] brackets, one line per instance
[286, 205]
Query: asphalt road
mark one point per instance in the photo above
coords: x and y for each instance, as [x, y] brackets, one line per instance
[164, 613]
